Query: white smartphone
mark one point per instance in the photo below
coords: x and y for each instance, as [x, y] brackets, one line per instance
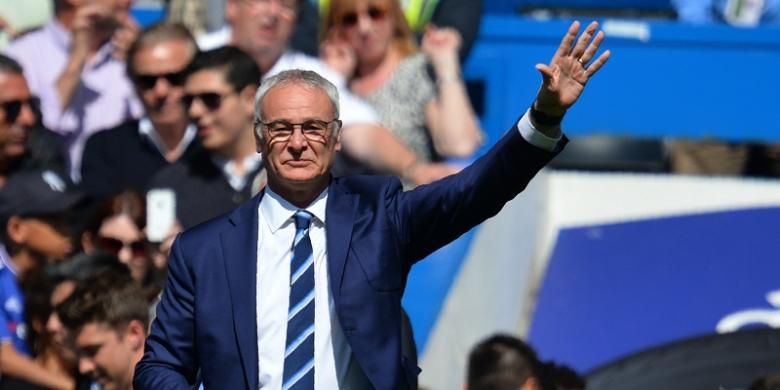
[160, 213]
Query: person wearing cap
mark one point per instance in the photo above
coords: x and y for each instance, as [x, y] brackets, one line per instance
[33, 208]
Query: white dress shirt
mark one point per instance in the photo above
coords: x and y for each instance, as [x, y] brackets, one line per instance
[334, 366]
[332, 354]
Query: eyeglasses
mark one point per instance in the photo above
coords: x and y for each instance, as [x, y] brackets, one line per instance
[212, 100]
[313, 130]
[12, 108]
[375, 13]
[114, 246]
[148, 81]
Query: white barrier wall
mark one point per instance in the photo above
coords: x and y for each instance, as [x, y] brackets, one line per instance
[496, 288]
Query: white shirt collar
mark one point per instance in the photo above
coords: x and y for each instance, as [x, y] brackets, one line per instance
[146, 130]
[228, 168]
[276, 211]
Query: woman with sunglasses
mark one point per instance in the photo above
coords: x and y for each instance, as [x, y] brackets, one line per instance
[117, 228]
[370, 42]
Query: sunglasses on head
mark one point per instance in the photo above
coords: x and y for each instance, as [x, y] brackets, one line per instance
[212, 100]
[12, 108]
[374, 12]
[114, 246]
[148, 81]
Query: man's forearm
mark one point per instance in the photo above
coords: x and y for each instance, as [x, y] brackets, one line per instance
[378, 148]
[69, 79]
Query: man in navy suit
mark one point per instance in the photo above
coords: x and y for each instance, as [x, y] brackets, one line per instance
[302, 285]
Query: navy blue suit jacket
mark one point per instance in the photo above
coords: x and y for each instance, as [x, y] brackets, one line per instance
[375, 232]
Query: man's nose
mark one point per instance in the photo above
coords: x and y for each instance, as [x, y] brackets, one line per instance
[26, 116]
[86, 365]
[162, 87]
[297, 140]
[125, 254]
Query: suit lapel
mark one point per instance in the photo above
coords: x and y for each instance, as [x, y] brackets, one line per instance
[239, 249]
[340, 216]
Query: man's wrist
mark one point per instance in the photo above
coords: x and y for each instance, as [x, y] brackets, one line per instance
[546, 117]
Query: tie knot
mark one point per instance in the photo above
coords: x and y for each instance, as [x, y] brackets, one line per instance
[302, 219]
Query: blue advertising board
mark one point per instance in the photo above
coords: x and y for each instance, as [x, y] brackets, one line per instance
[611, 290]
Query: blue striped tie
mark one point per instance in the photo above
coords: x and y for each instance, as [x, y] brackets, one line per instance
[299, 346]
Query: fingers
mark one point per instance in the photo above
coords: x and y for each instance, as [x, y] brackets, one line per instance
[584, 39]
[567, 41]
[546, 71]
[592, 48]
[596, 65]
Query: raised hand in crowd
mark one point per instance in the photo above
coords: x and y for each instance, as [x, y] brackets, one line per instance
[441, 45]
[124, 36]
[338, 54]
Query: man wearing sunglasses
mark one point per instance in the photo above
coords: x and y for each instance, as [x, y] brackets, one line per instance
[263, 29]
[76, 65]
[307, 278]
[128, 156]
[227, 170]
[24, 144]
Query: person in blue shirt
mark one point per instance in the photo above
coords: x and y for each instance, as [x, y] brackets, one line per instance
[34, 210]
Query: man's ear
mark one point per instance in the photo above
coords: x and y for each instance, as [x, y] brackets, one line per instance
[17, 229]
[231, 11]
[136, 334]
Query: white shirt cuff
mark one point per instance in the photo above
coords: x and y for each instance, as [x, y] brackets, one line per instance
[534, 136]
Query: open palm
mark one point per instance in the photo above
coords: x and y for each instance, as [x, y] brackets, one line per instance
[564, 78]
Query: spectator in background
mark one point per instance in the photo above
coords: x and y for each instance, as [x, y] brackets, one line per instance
[464, 16]
[118, 224]
[33, 212]
[128, 156]
[503, 362]
[82, 83]
[63, 278]
[23, 145]
[263, 29]
[389, 72]
[219, 95]
[108, 318]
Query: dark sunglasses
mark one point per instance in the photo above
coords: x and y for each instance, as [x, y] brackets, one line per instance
[375, 13]
[113, 246]
[148, 81]
[212, 100]
[12, 108]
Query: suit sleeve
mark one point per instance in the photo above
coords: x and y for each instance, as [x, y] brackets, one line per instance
[169, 360]
[430, 216]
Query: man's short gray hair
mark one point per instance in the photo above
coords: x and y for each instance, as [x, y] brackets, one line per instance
[305, 77]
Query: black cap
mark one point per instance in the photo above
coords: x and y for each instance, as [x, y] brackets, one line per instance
[38, 193]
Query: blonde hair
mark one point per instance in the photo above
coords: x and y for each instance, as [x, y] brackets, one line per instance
[403, 37]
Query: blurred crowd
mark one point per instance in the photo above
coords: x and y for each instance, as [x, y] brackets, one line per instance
[110, 131]
[114, 138]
